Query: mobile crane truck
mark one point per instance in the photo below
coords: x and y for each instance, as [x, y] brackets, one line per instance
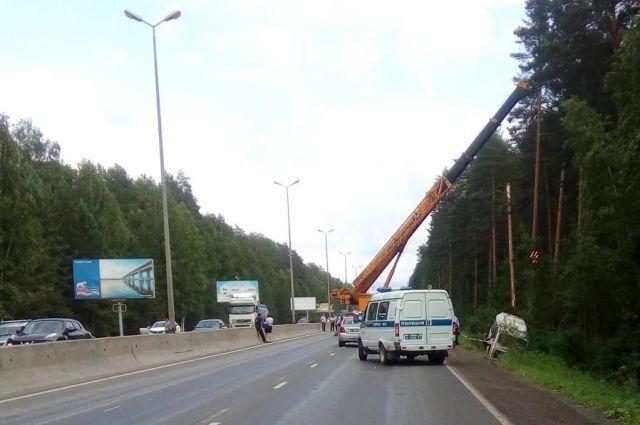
[357, 295]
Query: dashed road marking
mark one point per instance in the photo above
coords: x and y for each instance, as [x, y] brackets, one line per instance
[280, 385]
[111, 408]
[218, 413]
[313, 365]
[332, 354]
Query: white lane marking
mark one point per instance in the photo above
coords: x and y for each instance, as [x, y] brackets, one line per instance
[111, 408]
[280, 385]
[214, 423]
[109, 378]
[215, 415]
[313, 365]
[332, 354]
[486, 403]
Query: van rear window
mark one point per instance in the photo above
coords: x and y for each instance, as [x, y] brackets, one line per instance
[413, 309]
[438, 309]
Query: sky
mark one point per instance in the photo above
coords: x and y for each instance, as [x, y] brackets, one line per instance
[365, 102]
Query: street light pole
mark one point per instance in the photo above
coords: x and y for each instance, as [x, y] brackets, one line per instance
[286, 188]
[326, 254]
[165, 214]
[345, 265]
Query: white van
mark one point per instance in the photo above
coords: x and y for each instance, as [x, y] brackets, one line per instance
[407, 323]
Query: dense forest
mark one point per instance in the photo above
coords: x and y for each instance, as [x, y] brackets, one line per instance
[572, 163]
[51, 213]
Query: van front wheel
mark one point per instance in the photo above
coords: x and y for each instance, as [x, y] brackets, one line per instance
[362, 354]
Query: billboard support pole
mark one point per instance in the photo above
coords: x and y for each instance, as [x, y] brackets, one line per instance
[120, 321]
[119, 307]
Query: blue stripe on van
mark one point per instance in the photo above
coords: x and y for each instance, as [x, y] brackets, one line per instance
[441, 322]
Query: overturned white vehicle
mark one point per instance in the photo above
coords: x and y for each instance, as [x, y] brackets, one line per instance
[507, 331]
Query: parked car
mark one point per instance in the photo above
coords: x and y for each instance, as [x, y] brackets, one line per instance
[159, 328]
[210, 325]
[348, 331]
[9, 328]
[302, 320]
[49, 330]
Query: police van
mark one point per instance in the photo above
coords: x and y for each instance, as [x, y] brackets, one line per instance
[408, 323]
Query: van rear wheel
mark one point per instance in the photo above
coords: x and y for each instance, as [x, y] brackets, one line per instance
[362, 354]
[385, 356]
[436, 359]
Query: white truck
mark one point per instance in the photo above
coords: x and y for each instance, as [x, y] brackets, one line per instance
[243, 309]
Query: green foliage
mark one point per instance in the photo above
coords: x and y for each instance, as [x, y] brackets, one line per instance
[618, 400]
[51, 214]
[581, 300]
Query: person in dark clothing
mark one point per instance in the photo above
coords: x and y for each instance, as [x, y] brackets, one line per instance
[259, 327]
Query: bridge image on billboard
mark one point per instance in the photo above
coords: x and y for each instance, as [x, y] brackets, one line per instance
[113, 279]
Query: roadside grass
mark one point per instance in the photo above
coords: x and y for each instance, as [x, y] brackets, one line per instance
[617, 401]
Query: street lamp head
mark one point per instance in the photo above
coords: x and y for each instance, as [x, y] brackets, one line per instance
[278, 183]
[173, 15]
[295, 182]
[129, 14]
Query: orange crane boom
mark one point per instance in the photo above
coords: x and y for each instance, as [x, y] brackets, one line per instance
[393, 248]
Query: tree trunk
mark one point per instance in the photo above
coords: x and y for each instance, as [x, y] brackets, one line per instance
[536, 174]
[556, 251]
[475, 280]
[494, 255]
[512, 268]
[549, 213]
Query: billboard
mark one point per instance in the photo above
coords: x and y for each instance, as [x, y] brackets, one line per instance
[224, 289]
[99, 279]
[304, 303]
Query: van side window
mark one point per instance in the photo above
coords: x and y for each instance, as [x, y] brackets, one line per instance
[372, 311]
[413, 309]
[383, 308]
[391, 314]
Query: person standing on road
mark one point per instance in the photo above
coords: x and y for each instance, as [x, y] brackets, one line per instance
[332, 322]
[456, 330]
[323, 322]
[258, 324]
[268, 327]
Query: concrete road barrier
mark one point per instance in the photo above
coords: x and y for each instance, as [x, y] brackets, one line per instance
[30, 368]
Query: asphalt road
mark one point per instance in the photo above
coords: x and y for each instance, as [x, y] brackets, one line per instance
[304, 381]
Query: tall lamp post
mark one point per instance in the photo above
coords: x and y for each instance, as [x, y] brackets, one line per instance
[326, 254]
[286, 188]
[165, 215]
[345, 265]
[356, 268]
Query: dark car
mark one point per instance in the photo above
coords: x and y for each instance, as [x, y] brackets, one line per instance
[49, 330]
[9, 328]
[209, 325]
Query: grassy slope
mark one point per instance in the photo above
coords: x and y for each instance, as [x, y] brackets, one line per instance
[621, 402]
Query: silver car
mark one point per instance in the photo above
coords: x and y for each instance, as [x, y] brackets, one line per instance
[9, 328]
[348, 331]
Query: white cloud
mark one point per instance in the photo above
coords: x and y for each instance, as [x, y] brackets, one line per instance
[360, 100]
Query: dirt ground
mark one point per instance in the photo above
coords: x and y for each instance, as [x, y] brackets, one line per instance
[519, 400]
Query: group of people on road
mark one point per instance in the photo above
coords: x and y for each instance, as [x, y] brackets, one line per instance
[334, 322]
[264, 326]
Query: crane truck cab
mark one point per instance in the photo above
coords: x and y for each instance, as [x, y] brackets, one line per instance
[408, 323]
